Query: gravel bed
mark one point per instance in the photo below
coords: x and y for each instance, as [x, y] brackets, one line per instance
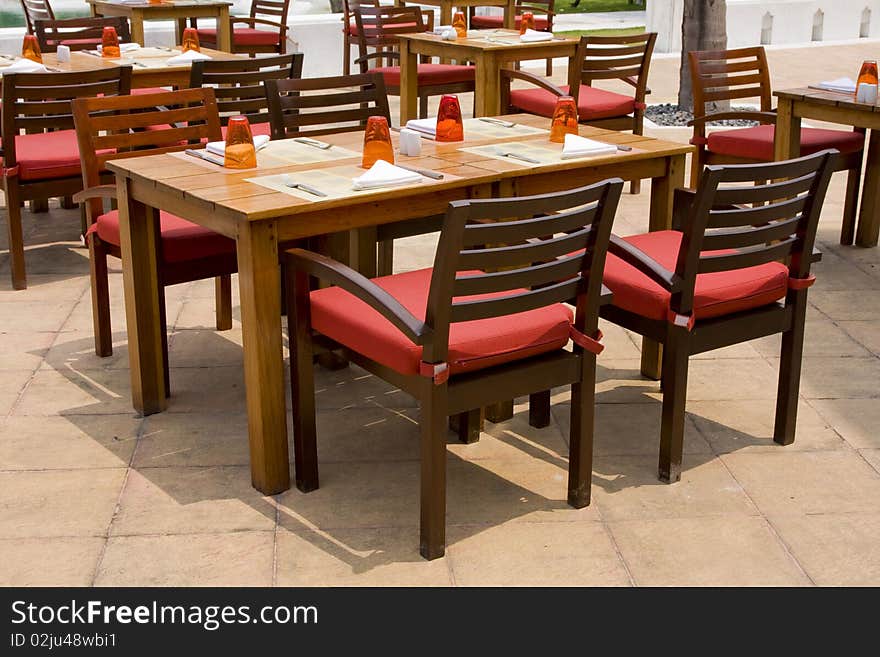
[668, 114]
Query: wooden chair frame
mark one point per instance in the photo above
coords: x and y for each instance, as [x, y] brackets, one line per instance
[51, 32]
[112, 128]
[272, 13]
[40, 102]
[719, 76]
[35, 10]
[348, 7]
[716, 217]
[556, 241]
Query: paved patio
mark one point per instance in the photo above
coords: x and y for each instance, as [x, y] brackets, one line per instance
[92, 494]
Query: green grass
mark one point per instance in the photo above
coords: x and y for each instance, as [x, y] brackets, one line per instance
[589, 6]
[16, 18]
[627, 31]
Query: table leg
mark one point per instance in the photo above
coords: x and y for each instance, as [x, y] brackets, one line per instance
[446, 13]
[409, 84]
[260, 293]
[224, 30]
[139, 238]
[510, 15]
[662, 194]
[869, 216]
[137, 27]
[179, 27]
[487, 91]
[787, 142]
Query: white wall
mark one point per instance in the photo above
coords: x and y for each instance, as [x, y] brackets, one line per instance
[792, 21]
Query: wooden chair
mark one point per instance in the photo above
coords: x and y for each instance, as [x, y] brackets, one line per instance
[251, 39]
[415, 330]
[112, 128]
[40, 152]
[722, 76]
[378, 28]
[543, 11]
[35, 10]
[78, 33]
[239, 85]
[350, 29]
[718, 279]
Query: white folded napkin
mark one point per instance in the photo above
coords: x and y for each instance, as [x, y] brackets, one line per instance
[426, 126]
[440, 29]
[577, 146]
[123, 47]
[533, 36]
[840, 84]
[384, 174]
[219, 147]
[25, 65]
[187, 57]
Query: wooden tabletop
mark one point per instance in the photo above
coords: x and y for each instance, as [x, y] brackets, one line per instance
[488, 40]
[842, 100]
[82, 61]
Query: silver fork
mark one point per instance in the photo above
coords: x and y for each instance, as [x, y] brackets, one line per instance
[517, 156]
[323, 145]
[306, 188]
[503, 124]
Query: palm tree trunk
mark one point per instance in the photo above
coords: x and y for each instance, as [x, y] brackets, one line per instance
[703, 27]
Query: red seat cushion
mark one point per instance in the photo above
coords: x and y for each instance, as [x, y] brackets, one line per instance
[757, 143]
[429, 74]
[263, 128]
[242, 36]
[79, 42]
[182, 240]
[715, 294]
[592, 103]
[472, 345]
[482, 22]
[47, 155]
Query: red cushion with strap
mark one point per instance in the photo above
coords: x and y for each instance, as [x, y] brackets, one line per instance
[757, 143]
[429, 74]
[593, 103]
[242, 36]
[483, 22]
[48, 155]
[472, 345]
[79, 42]
[182, 240]
[715, 294]
[263, 128]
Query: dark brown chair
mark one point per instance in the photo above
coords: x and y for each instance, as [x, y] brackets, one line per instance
[40, 152]
[542, 10]
[239, 85]
[453, 354]
[378, 29]
[719, 77]
[112, 128]
[248, 37]
[78, 33]
[35, 10]
[350, 29]
[718, 279]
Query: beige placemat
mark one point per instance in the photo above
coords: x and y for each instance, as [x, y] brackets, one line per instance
[475, 129]
[544, 152]
[264, 161]
[289, 151]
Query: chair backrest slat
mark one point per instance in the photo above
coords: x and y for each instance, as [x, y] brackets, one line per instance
[784, 189]
[747, 257]
[752, 235]
[528, 252]
[78, 33]
[35, 10]
[518, 302]
[625, 58]
[517, 231]
[540, 274]
[273, 9]
[754, 216]
[379, 27]
[722, 75]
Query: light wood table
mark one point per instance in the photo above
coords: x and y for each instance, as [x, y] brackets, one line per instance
[153, 74]
[260, 219]
[176, 10]
[447, 5]
[834, 107]
[490, 50]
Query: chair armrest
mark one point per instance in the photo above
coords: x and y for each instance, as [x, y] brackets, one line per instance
[682, 199]
[255, 21]
[536, 80]
[644, 263]
[761, 117]
[100, 191]
[327, 269]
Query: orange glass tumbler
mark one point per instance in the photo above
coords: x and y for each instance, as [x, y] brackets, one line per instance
[190, 40]
[866, 86]
[239, 152]
[565, 119]
[377, 142]
[30, 48]
[110, 42]
[449, 123]
[459, 25]
[526, 22]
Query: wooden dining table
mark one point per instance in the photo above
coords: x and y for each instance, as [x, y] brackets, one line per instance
[490, 50]
[261, 213]
[177, 10]
[835, 107]
[447, 5]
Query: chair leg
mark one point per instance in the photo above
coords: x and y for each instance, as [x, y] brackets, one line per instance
[580, 457]
[423, 107]
[539, 409]
[346, 50]
[302, 382]
[675, 371]
[100, 298]
[432, 423]
[223, 302]
[500, 412]
[39, 205]
[16, 239]
[635, 186]
[386, 258]
[163, 324]
[790, 372]
[467, 425]
[549, 66]
[67, 203]
[850, 205]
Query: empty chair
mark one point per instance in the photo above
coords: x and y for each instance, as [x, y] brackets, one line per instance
[458, 337]
[78, 33]
[263, 31]
[40, 152]
[728, 272]
[112, 128]
[542, 10]
[239, 85]
[725, 76]
[350, 29]
[35, 10]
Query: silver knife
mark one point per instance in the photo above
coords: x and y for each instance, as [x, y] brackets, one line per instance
[515, 156]
[422, 172]
[323, 145]
[202, 155]
[306, 188]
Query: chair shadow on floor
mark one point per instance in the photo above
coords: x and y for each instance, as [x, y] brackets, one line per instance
[366, 512]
